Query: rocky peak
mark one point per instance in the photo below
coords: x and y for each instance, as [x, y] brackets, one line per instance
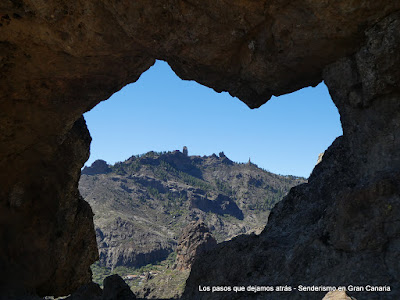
[185, 151]
[98, 167]
[195, 240]
[143, 204]
[115, 288]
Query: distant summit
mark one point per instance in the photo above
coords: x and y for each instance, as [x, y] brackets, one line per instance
[98, 167]
[185, 151]
[141, 205]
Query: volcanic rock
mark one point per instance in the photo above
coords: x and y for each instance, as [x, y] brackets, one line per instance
[98, 167]
[142, 204]
[115, 288]
[337, 295]
[122, 243]
[90, 291]
[341, 227]
[58, 59]
[195, 240]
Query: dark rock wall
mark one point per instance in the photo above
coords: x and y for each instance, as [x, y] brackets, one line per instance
[45, 223]
[60, 58]
[342, 227]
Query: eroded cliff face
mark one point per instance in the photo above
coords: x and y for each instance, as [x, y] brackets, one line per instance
[342, 227]
[60, 58]
[195, 240]
[45, 223]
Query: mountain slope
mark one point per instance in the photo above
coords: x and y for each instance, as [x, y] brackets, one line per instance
[142, 204]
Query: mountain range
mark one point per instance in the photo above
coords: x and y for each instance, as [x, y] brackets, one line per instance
[142, 204]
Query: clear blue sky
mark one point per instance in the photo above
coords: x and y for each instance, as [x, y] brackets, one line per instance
[161, 112]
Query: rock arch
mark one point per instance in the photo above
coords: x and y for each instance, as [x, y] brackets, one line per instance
[60, 58]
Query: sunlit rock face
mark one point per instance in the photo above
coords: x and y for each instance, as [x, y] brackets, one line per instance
[342, 227]
[195, 240]
[60, 58]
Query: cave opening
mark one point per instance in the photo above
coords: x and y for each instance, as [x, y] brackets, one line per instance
[161, 112]
[59, 59]
[157, 116]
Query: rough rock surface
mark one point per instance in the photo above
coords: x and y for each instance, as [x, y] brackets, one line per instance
[342, 227]
[195, 240]
[90, 291]
[115, 288]
[142, 204]
[124, 243]
[337, 295]
[46, 227]
[59, 58]
[98, 167]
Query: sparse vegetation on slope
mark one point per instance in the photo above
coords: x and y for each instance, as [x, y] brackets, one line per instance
[142, 204]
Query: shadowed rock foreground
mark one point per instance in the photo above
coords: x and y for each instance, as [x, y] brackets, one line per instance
[58, 59]
[342, 227]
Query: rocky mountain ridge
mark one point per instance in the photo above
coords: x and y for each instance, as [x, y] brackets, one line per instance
[142, 204]
[61, 58]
